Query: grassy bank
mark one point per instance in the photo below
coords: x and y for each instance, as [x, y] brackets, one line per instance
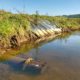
[12, 24]
[64, 22]
[20, 26]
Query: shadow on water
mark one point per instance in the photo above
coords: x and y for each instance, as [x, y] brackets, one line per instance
[19, 68]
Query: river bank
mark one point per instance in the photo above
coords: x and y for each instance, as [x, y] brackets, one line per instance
[33, 39]
[61, 54]
[16, 29]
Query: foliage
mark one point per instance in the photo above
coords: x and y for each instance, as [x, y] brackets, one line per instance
[11, 23]
[20, 24]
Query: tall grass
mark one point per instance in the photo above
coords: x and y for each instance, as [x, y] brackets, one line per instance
[19, 24]
[12, 24]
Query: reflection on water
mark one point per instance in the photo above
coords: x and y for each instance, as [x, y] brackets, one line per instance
[62, 56]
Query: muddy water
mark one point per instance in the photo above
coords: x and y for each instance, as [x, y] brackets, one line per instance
[62, 56]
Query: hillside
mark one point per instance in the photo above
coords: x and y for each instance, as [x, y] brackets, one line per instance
[73, 16]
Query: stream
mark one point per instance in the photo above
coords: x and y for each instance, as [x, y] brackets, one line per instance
[62, 57]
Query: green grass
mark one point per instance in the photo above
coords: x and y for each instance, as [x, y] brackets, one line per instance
[20, 24]
[9, 23]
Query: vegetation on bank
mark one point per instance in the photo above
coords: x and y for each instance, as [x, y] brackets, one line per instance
[12, 24]
[64, 22]
[20, 24]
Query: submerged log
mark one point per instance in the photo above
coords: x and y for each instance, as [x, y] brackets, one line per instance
[28, 65]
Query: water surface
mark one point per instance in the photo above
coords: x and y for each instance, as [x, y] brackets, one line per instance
[62, 56]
